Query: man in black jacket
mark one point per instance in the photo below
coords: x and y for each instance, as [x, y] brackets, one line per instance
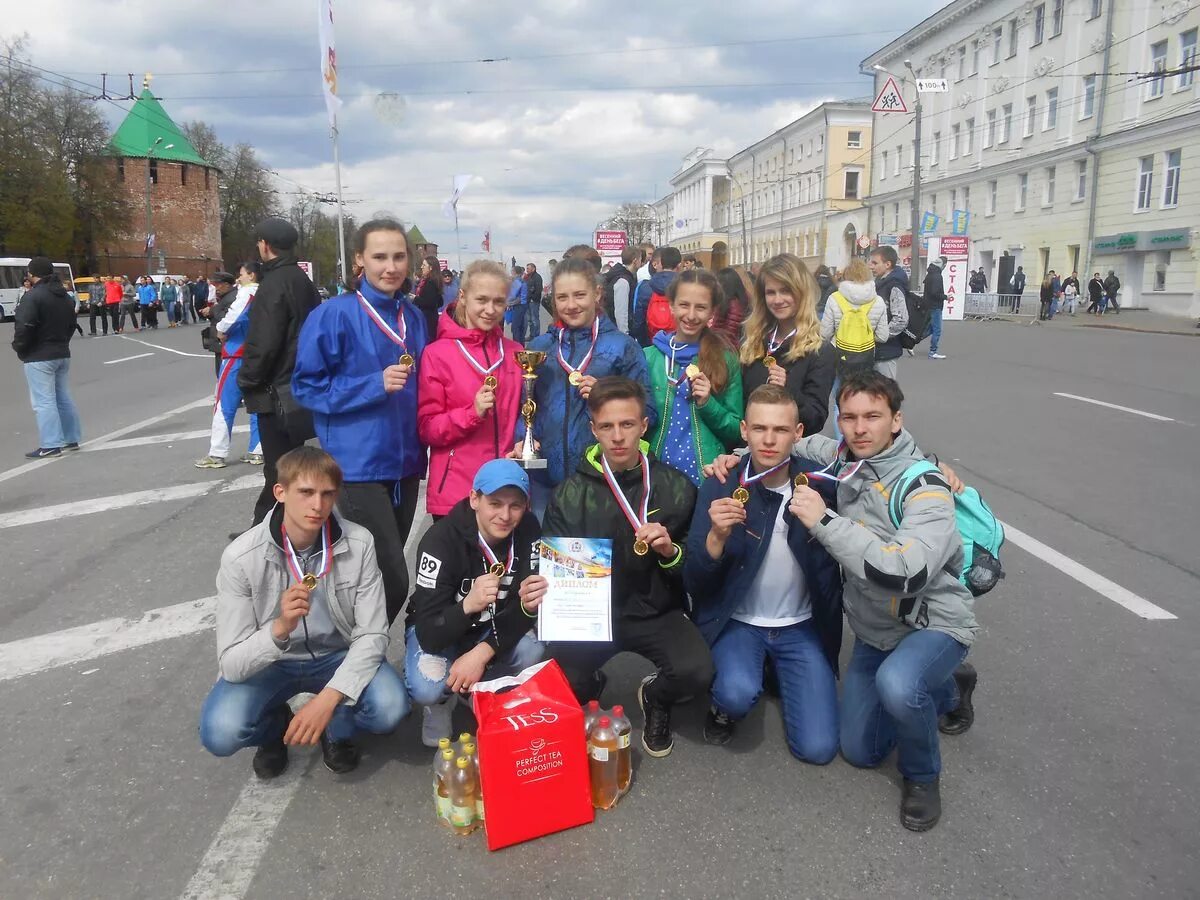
[620, 284]
[284, 299]
[45, 321]
[647, 559]
[477, 595]
[1112, 284]
[534, 287]
[935, 299]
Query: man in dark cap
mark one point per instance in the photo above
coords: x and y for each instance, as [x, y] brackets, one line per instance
[284, 299]
[45, 322]
[225, 285]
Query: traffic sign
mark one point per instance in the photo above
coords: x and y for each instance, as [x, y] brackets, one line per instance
[932, 86]
[864, 242]
[890, 99]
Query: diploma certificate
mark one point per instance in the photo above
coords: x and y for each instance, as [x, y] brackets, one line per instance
[578, 601]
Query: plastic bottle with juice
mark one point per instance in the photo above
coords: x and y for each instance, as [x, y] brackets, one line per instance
[462, 797]
[443, 773]
[470, 751]
[591, 715]
[624, 729]
[602, 764]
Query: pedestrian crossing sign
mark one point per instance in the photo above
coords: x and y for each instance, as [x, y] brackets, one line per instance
[889, 99]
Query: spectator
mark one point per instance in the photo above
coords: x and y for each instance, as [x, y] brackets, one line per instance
[1095, 289]
[935, 299]
[1112, 284]
[129, 303]
[428, 295]
[641, 328]
[828, 284]
[620, 284]
[534, 288]
[736, 306]
[199, 298]
[1018, 286]
[517, 303]
[96, 306]
[113, 295]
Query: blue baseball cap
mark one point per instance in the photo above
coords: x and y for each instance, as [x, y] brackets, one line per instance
[501, 473]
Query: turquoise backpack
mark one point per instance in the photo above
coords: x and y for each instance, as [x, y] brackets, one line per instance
[982, 534]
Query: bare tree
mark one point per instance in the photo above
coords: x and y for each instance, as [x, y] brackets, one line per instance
[635, 219]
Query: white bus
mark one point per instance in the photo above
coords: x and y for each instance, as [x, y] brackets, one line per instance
[13, 270]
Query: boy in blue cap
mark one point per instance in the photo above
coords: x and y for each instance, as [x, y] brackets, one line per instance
[476, 595]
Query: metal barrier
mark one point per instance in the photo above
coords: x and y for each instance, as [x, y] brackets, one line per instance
[996, 306]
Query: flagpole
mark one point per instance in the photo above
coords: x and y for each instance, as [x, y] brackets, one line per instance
[341, 225]
[457, 240]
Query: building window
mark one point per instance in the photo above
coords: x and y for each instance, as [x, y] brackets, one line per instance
[1056, 22]
[954, 134]
[1048, 195]
[933, 203]
[933, 148]
[1088, 108]
[153, 171]
[1097, 6]
[1145, 184]
[997, 43]
[1022, 191]
[854, 139]
[883, 168]
[989, 134]
[962, 63]
[967, 199]
[1013, 30]
[1187, 59]
[896, 217]
[1080, 179]
[120, 170]
[974, 57]
[851, 185]
[899, 162]
[969, 137]
[1030, 115]
[953, 200]
[1005, 122]
[1051, 110]
[1158, 63]
[1039, 24]
[993, 187]
[1173, 160]
[1162, 260]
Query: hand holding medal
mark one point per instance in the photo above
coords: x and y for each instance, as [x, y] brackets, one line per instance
[638, 519]
[701, 386]
[653, 536]
[485, 400]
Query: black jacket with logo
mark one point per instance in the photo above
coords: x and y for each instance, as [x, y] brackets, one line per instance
[283, 301]
[44, 323]
[448, 562]
[584, 507]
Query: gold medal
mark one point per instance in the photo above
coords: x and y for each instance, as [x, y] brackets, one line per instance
[497, 568]
[407, 359]
[741, 495]
[490, 381]
[309, 580]
[641, 548]
[576, 378]
[692, 371]
[801, 480]
[768, 361]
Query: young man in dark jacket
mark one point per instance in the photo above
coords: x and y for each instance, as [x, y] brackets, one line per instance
[647, 559]
[666, 265]
[477, 595]
[1112, 284]
[284, 299]
[620, 284]
[762, 588]
[1095, 289]
[935, 299]
[44, 323]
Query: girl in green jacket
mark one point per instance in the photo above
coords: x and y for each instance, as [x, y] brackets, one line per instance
[695, 380]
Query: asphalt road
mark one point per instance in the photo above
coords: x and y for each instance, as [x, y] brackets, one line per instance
[1078, 779]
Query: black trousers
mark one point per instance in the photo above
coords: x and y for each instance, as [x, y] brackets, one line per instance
[671, 641]
[100, 311]
[372, 505]
[130, 311]
[276, 441]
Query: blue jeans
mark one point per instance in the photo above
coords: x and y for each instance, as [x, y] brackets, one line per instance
[426, 673]
[518, 322]
[534, 320]
[807, 688]
[57, 418]
[935, 329]
[892, 698]
[246, 714]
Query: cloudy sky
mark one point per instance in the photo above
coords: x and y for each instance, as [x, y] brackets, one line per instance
[579, 111]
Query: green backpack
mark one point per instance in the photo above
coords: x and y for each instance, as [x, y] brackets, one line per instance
[981, 532]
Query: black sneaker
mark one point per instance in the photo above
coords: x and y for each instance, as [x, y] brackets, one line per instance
[341, 757]
[656, 733]
[74, 445]
[44, 452]
[920, 805]
[271, 759]
[959, 720]
[718, 727]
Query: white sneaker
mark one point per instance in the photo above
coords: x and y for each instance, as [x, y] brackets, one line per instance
[435, 722]
[937, 355]
[210, 462]
[909, 351]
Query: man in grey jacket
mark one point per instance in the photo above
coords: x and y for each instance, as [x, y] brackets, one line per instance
[300, 609]
[912, 617]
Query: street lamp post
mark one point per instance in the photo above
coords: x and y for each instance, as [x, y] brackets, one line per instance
[916, 199]
[149, 212]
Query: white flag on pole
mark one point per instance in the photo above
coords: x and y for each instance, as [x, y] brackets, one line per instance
[460, 185]
[329, 83]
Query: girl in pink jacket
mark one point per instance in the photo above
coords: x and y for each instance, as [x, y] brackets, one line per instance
[470, 387]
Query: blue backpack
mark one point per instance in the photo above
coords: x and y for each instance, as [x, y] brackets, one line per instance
[981, 532]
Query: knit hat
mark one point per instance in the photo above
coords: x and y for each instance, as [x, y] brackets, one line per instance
[278, 233]
[218, 277]
[41, 267]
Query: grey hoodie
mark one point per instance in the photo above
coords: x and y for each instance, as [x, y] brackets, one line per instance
[896, 580]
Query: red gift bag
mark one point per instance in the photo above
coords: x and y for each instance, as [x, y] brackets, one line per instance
[532, 755]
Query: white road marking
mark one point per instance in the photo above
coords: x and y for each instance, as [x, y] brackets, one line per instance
[167, 349]
[1104, 587]
[128, 358]
[1128, 409]
[74, 645]
[112, 435]
[160, 439]
[123, 501]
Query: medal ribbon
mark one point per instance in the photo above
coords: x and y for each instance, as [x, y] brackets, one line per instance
[490, 556]
[587, 360]
[826, 475]
[622, 501]
[669, 365]
[397, 336]
[745, 478]
[773, 345]
[475, 363]
[293, 560]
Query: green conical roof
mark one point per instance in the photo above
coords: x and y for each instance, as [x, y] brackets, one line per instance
[414, 235]
[148, 123]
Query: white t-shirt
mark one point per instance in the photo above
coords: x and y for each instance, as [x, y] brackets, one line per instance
[778, 595]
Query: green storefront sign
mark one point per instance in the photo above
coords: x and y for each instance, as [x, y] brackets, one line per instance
[1142, 241]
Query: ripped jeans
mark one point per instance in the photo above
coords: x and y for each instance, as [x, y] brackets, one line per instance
[425, 673]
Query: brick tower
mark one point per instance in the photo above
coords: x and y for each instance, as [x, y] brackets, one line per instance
[175, 226]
